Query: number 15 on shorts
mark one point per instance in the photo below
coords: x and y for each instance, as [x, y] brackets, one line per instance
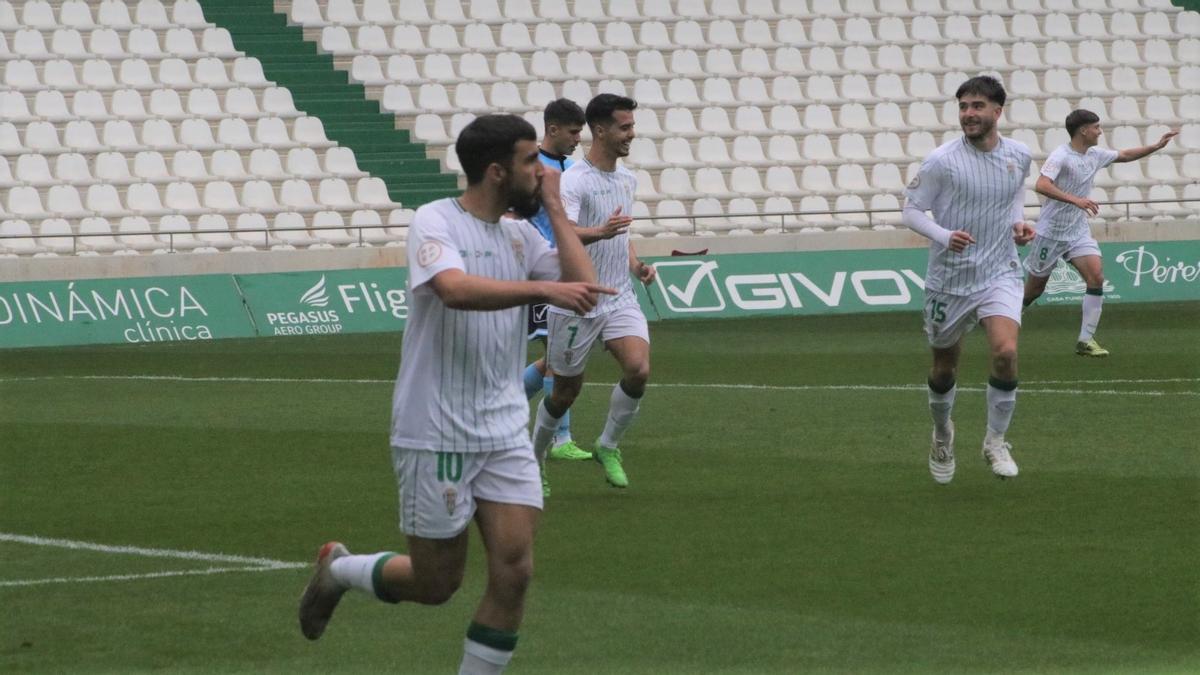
[937, 312]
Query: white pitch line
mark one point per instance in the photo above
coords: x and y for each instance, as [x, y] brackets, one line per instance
[1144, 381]
[187, 378]
[680, 385]
[266, 563]
[148, 575]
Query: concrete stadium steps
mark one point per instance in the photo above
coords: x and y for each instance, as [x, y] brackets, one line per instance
[350, 118]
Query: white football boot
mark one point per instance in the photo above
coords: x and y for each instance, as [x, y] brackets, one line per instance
[941, 456]
[998, 454]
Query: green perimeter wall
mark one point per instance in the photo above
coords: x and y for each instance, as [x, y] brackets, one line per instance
[214, 306]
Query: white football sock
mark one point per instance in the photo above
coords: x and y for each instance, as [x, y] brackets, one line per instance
[544, 427]
[479, 659]
[622, 408]
[357, 571]
[1092, 305]
[1001, 401]
[940, 408]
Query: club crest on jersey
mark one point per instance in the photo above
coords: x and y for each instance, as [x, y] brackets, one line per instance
[518, 248]
[451, 498]
[429, 253]
[1012, 167]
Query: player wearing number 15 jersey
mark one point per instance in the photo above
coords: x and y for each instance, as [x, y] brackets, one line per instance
[974, 187]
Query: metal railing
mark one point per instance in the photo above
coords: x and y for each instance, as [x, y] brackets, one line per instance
[270, 236]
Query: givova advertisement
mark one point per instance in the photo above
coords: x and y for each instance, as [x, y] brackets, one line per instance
[830, 282]
[209, 307]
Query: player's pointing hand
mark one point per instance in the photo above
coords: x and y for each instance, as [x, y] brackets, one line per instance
[577, 296]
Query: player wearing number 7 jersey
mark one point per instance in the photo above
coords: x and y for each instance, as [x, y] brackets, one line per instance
[598, 196]
[974, 185]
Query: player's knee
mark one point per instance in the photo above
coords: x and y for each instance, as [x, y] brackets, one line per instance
[943, 380]
[511, 571]
[517, 577]
[1004, 359]
[637, 375]
[564, 393]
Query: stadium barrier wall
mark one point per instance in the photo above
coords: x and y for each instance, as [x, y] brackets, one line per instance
[214, 306]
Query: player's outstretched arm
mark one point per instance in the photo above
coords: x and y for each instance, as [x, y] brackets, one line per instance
[574, 260]
[459, 290]
[1134, 154]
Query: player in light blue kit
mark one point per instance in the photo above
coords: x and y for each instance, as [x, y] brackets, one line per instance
[975, 187]
[1062, 229]
[563, 120]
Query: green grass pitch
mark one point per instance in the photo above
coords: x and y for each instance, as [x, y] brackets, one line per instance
[781, 518]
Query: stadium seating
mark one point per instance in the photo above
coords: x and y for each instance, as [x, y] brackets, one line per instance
[121, 118]
[132, 116]
[719, 91]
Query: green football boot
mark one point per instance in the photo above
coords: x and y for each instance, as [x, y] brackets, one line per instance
[569, 450]
[610, 459]
[1090, 348]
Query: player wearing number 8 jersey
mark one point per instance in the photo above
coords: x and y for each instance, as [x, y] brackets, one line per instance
[974, 186]
[1063, 231]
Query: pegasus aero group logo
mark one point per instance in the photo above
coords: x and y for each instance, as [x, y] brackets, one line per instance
[690, 285]
[316, 296]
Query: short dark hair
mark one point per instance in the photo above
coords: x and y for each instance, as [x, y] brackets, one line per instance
[563, 112]
[490, 139]
[1080, 118]
[985, 86]
[600, 109]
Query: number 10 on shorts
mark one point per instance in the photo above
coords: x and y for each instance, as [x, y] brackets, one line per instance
[450, 467]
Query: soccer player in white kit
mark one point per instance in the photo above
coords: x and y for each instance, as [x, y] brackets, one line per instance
[974, 185]
[598, 196]
[1063, 231]
[460, 446]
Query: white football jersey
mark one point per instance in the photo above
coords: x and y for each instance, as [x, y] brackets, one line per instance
[459, 387]
[982, 193]
[1073, 173]
[590, 196]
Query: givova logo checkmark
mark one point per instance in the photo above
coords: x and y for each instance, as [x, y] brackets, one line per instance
[690, 285]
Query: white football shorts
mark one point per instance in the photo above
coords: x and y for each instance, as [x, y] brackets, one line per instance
[949, 317]
[1045, 252]
[438, 489]
[571, 337]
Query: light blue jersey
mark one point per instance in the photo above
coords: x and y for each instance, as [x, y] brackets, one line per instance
[540, 220]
